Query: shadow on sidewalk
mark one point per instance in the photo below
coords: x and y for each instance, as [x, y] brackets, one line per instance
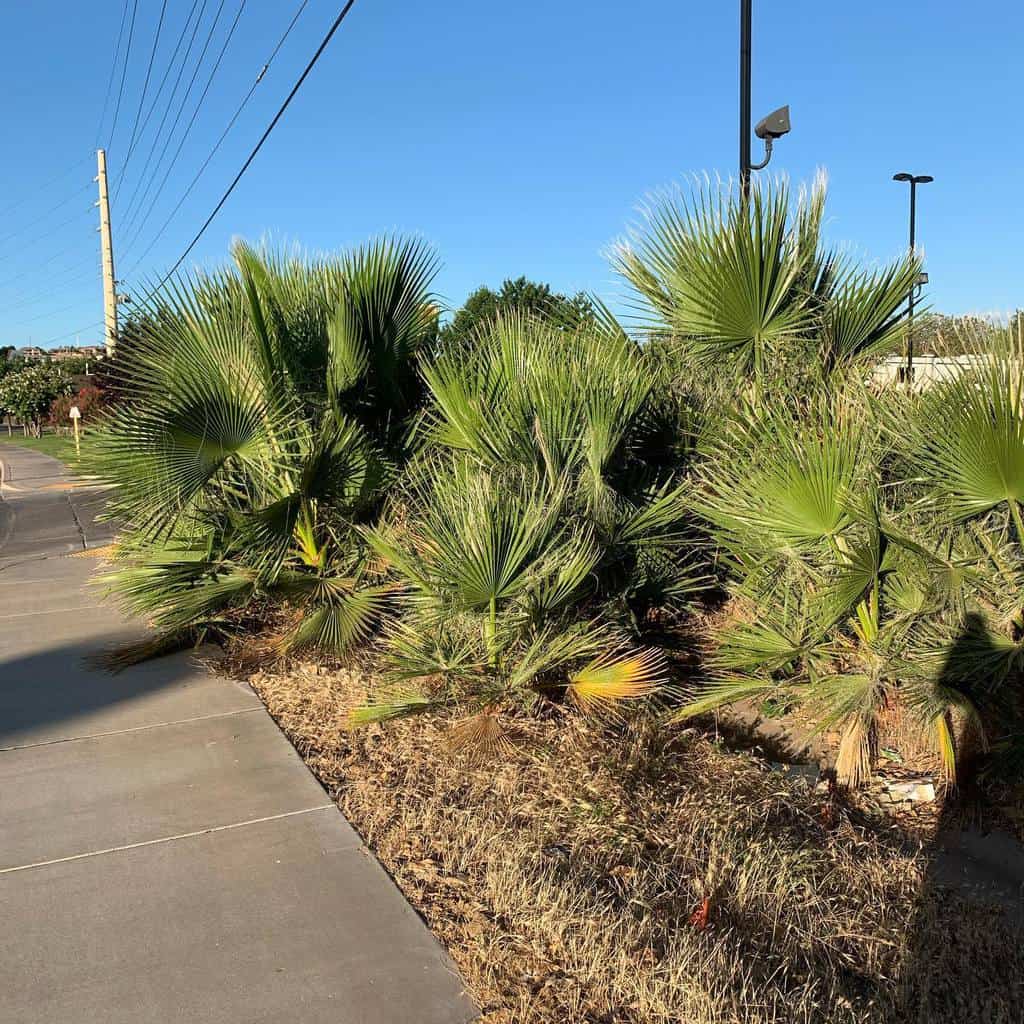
[966, 959]
[56, 693]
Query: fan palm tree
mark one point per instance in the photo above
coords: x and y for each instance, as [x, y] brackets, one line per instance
[794, 483]
[544, 522]
[963, 440]
[831, 594]
[584, 410]
[264, 418]
[494, 577]
[747, 286]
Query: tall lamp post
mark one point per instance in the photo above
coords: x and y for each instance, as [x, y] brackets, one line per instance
[770, 128]
[914, 180]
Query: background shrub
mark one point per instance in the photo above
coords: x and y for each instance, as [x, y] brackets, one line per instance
[88, 399]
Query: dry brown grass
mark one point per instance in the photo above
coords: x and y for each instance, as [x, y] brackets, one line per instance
[646, 876]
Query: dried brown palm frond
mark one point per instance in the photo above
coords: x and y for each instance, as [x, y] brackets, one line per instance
[856, 753]
[484, 735]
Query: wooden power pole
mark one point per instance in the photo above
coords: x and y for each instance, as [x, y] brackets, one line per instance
[107, 247]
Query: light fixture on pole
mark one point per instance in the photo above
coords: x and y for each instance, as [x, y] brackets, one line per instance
[922, 279]
[770, 128]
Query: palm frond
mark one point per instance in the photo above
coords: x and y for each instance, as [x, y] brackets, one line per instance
[483, 735]
[612, 678]
[350, 618]
[967, 435]
[723, 273]
[766, 645]
[421, 653]
[398, 701]
[726, 689]
[780, 480]
[865, 313]
[385, 315]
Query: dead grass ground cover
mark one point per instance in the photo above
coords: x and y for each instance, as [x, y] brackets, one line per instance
[648, 876]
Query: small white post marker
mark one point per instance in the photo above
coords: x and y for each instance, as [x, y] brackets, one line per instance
[76, 415]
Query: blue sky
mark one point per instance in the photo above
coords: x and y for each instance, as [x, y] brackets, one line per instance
[517, 139]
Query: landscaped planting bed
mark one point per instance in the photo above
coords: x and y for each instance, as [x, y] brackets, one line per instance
[637, 874]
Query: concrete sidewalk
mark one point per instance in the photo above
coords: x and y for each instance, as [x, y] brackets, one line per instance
[165, 855]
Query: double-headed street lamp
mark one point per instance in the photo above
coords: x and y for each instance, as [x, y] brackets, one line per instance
[914, 180]
[770, 128]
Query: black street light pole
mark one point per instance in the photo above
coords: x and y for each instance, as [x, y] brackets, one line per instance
[745, 22]
[914, 180]
[770, 128]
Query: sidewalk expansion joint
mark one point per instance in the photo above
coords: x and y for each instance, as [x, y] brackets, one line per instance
[28, 560]
[51, 611]
[165, 839]
[31, 558]
[134, 728]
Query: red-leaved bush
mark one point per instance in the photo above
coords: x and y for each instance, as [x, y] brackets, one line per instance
[89, 400]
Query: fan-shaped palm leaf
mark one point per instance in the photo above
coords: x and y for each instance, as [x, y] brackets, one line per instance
[383, 318]
[864, 313]
[397, 701]
[723, 274]
[617, 676]
[782, 480]
[968, 436]
[348, 619]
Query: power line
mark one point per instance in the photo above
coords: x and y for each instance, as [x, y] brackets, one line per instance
[64, 278]
[124, 71]
[148, 204]
[245, 166]
[113, 72]
[48, 234]
[91, 263]
[145, 89]
[40, 316]
[174, 90]
[263, 138]
[132, 212]
[77, 330]
[43, 216]
[224, 134]
[45, 187]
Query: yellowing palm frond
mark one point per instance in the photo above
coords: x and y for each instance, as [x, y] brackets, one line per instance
[612, 678]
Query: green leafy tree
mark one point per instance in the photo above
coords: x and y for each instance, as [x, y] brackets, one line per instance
[27, 393]
[516, 296]
[12, 363]
[76, 365]
[943, 335]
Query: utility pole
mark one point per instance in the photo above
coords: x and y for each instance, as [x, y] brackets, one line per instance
[107, 248]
